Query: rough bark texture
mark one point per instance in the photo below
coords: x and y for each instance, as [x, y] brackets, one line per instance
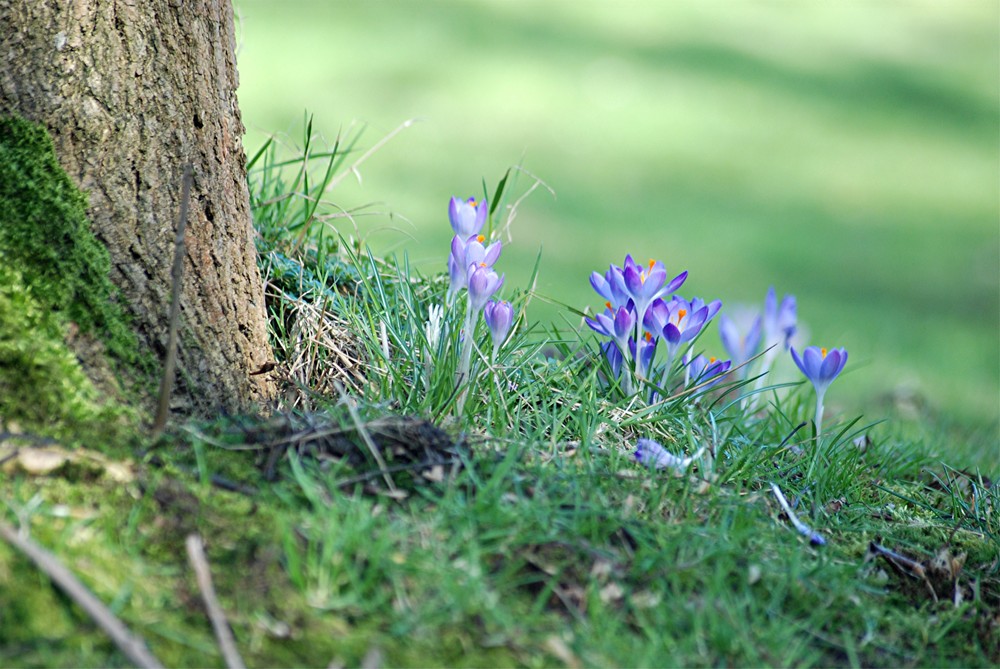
[131, 91]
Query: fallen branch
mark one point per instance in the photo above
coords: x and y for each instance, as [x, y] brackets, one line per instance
[133, 647]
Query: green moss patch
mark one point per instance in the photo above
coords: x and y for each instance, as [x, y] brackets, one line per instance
[54, 281]
[44, 232]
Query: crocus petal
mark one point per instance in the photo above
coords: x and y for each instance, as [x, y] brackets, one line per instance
[671, 334]
[601, 285]
[833, 363]
[795, 357]
[657, 315]
[675, 283]
[623, 323]
[813, 360]
[614, 357]
[653, 285]
[730, 337]
[492, 254]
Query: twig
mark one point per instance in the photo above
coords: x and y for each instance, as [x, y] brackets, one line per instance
[177, 275]
[133, 647]
[224, 635]
[367, 438]
[814, 537]
[903, 565]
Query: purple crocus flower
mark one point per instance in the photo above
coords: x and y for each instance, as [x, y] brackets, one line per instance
[466, 252]
[467, 217]
[821, 367]
[499, 317]
[483, 283]
[685, 322]
[643, 285]
[614, 323]
[708, 370]
[741, 343]
[780, 322]
[477, 254]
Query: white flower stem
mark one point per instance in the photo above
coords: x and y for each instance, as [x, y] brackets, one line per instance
[462, 377]
[818, 447]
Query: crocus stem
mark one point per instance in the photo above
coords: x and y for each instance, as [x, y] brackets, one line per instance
[819, 416]
[817, 449]
[462, 377]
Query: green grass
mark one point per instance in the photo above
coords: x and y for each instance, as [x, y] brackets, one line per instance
[844, 153]
[519, 532]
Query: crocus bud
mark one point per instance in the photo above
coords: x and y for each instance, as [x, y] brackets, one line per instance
[499, 317]
[483, 283]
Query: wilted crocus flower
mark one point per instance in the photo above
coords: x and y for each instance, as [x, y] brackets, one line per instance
[467, 217]
[651, 453]
[741, 343]
[499, 317]
[821, 367]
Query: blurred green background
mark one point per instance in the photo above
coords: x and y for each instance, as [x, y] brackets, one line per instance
[843, 152]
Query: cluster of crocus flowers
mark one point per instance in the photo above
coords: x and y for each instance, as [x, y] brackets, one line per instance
[640, 311]
[470, 270]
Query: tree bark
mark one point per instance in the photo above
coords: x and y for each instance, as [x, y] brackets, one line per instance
[131, 91]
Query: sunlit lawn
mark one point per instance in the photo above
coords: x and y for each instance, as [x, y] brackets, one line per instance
[848, 155]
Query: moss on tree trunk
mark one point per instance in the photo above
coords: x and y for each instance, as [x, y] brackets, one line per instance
[130, 93]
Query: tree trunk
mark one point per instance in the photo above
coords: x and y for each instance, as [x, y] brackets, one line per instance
[131, 91]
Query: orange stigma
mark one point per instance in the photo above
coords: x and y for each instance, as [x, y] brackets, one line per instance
[712, 360]
[822, 352]
[607, 304]
[651, 263]
[480, 238]
[649, 337]
[482, 264]
[681, 313]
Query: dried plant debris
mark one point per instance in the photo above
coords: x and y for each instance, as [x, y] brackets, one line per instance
[937, 578]
[318, 352]
[403, 444]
